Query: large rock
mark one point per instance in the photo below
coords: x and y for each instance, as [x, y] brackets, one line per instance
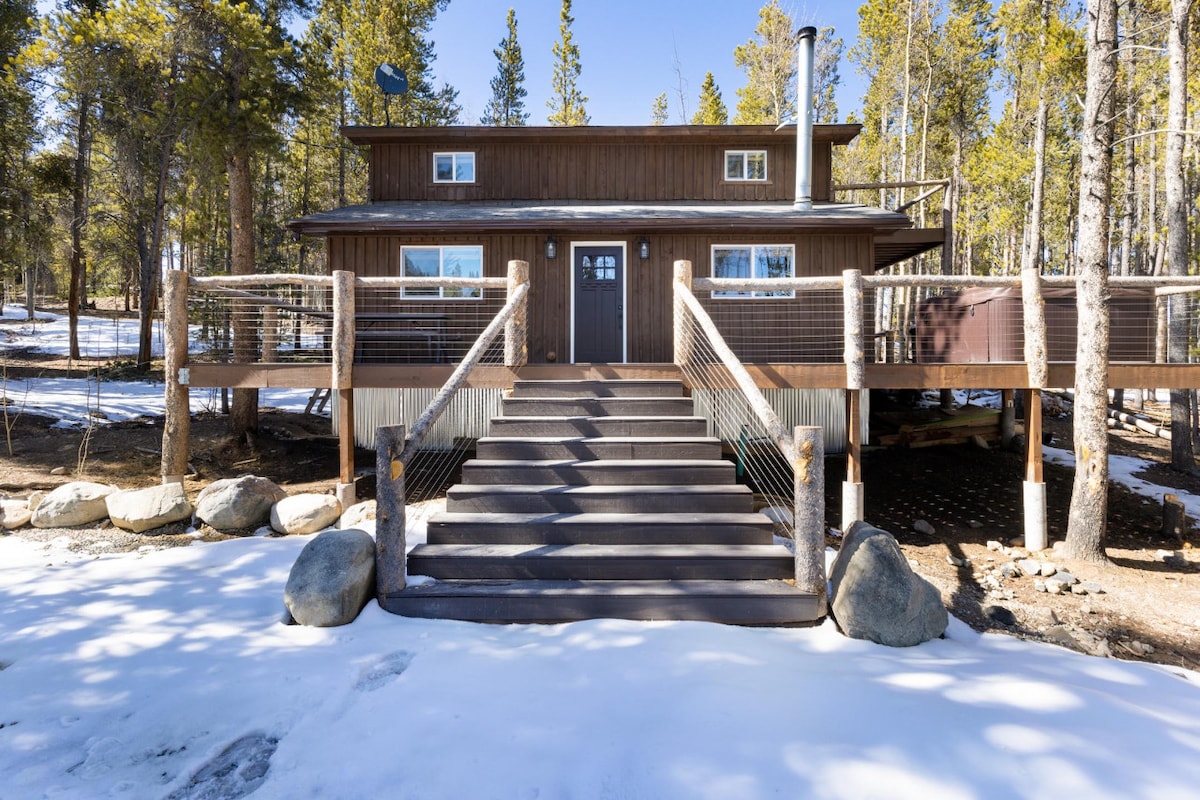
[332, 579]
[305, 513]
[75, 503]
[236, 503]
[357, 514]
[140, 510]
[14, 513]
[875, 594]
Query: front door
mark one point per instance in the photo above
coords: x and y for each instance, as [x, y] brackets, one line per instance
[599, 311]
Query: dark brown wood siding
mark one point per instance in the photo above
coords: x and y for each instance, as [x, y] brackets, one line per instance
[633, 172]
[767, 329]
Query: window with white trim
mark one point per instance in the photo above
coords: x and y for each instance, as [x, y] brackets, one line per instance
[758, 261]
[745, 165]
[453, 167]
[442, 261]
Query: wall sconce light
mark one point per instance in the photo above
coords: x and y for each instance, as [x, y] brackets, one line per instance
[643, 247]
[551, 247]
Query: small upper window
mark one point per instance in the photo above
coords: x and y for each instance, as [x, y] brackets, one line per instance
[453, 167]
[745, 165]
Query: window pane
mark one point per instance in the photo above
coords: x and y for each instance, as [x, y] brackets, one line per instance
[773, 262]
[420, 262]
[462, 262]
[464, 168]
[756, 166]
[735, 166]
[443, 167]
[731, 263]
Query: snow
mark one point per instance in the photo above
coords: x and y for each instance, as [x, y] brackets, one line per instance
[140, 674]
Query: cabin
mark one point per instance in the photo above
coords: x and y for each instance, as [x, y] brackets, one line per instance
[642, 341]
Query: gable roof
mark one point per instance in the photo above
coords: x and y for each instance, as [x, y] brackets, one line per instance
[742, 135]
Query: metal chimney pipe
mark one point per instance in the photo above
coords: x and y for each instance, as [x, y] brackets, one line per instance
[806, 39]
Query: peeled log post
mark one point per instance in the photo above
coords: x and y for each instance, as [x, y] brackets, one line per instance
[178, 424]
[270, 334]
[1034, 487]
[809, 530]
[341, 379]
[389, 512]
[516, 352]
[852, 309]
[683, 339]
[1034, 310]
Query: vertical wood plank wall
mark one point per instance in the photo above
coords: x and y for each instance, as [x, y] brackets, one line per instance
[649, 283]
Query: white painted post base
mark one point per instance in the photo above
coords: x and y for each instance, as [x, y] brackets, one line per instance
[346, 495]
[168, 479]
[1035, 515]
[852, 504]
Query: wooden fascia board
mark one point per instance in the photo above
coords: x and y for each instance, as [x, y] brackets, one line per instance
[648, 134]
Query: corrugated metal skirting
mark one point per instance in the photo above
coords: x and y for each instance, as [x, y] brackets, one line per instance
[824, 407]
[467, 416]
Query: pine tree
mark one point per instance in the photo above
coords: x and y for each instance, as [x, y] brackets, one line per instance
[567, 104]
[769, 60]
[712, 109]
[17, 138]
[826, 78]
[658, 110]
[507, 106]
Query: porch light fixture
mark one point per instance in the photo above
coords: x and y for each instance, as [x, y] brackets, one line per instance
[551, 247]
[643, 245]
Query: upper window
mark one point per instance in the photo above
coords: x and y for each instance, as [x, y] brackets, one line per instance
[745, 165]
[754, 261]
[450, 261]
[453, 167]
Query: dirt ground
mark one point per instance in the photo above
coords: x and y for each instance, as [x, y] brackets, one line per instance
[1145, 605]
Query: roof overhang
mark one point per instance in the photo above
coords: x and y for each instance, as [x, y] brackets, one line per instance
[596, 135]
[892, 247]
[447, 217]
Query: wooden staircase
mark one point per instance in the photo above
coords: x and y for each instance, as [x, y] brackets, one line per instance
[601, 499]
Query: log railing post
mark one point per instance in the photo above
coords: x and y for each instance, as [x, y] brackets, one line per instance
[1034, 488]
[809, 530]
[852, 305]
[516, 349]
[342, 380]
[270, 334]
[178, 424]
[682, 336]
[389, 513]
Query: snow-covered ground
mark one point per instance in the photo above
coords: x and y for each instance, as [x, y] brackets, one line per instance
[129, 675]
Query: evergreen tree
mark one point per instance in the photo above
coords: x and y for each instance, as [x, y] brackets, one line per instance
[567, 104]
[769, 60]
[507, 106]
[658, 110]
[712, 109]
[826, 78]
[17, 138]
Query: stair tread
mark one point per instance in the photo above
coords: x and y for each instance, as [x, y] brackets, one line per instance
[607, 463]
[593, 418]
[609, 488]
[599, 518]
[598, 439]
[605, 551]
[542, 588]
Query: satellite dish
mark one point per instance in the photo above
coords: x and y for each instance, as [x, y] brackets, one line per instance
[390, 79]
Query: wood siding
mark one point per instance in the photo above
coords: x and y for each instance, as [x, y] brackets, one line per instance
[615, 172]
[768, 329]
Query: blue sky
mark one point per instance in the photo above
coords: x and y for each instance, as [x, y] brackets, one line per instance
[627, 50]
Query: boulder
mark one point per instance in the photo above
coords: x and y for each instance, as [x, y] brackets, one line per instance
[75, 503]
[876, 595]
[305, 513]
[140, 510]
[357, 514]
[332, 579]
[236, 503]
[14, 513]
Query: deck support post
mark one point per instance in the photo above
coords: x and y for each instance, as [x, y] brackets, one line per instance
[682, 341]
[809, 529]
[177, 426]
[852, 309]
[516, 350]
[342, 381]
[1008, 417]
[1034, 488]
[390, 521]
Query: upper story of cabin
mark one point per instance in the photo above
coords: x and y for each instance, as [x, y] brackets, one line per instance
[637, 164]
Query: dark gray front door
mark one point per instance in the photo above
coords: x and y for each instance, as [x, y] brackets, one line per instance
[599, 304]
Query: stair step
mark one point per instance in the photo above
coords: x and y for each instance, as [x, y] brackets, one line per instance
[598, 562]
[592, 426]
[684, 528]
[580, 447]
[597, 406]
[616, 472]
[598, 388]
[730, 602]
[600, 499]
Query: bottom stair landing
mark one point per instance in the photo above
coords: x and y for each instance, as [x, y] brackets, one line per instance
[601, 499]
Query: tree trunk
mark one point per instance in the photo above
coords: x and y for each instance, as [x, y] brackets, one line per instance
[150, 255]
[78, 198]
[1087, 521]
[1034, 304]
[1182, 453]
[243, 417]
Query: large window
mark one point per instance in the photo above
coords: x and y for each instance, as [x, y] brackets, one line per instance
[745, 165]
[753, 261]
[453, 167]
[449, 261]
